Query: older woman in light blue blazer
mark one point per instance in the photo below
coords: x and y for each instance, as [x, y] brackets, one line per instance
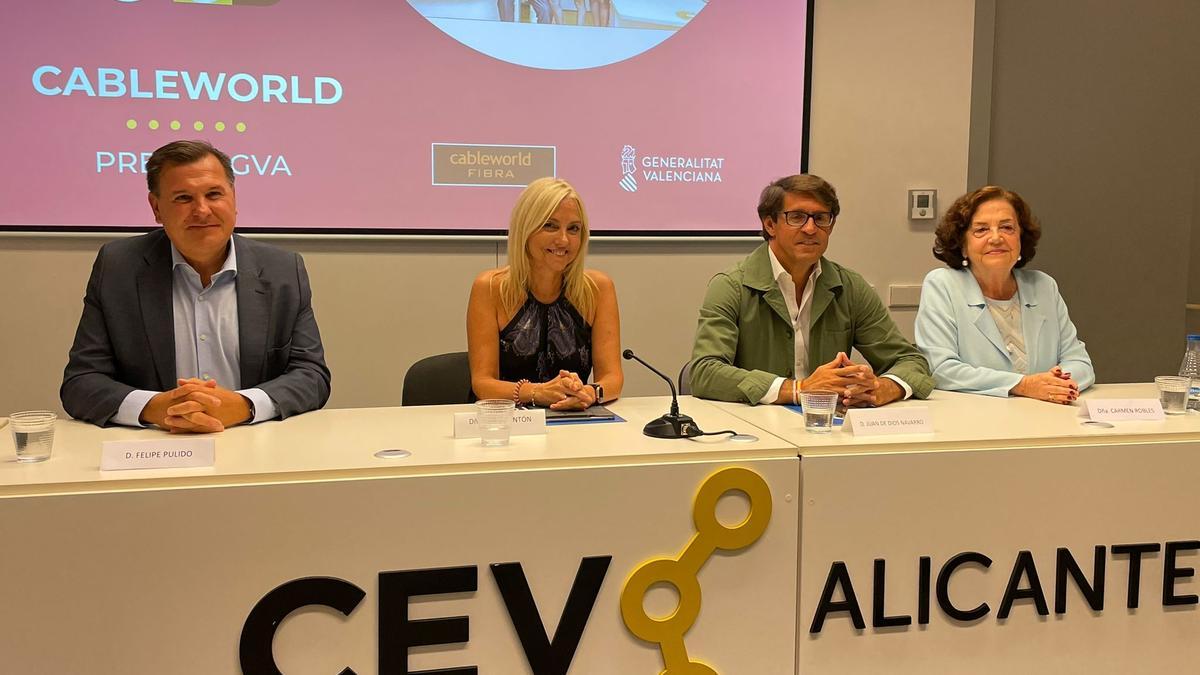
[988, 326]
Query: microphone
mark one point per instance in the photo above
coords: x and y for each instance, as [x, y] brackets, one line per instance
[673, 424]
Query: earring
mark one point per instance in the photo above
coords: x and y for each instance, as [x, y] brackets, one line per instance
[964, 262]
[1018, 257]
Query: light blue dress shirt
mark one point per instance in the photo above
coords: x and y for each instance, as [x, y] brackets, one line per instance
[206, 337]
[965, 349]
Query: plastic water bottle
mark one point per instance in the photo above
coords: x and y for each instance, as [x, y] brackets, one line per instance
[1191, 368]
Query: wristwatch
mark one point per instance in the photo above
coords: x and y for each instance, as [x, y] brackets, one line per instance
[599, 392]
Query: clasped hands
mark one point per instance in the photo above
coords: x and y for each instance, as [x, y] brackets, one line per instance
[564, 392]
[1054, 385]
[196, 406]
[855, 383]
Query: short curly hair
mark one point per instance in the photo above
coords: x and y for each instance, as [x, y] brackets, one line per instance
[952, 230]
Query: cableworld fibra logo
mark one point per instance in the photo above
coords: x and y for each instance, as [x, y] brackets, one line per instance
[667, 168]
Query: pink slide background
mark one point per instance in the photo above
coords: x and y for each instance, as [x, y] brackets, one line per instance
[730, 85]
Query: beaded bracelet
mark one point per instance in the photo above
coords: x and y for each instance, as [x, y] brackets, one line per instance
[516, 397]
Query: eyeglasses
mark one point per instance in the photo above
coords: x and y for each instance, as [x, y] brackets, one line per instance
[823, 219]
[1004, 229]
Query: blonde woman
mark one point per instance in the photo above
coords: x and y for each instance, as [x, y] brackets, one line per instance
[539, 327]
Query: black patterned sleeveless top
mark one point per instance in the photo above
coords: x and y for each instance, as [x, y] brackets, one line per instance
[542, 339]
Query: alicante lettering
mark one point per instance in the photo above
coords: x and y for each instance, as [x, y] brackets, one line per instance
[1025, 585]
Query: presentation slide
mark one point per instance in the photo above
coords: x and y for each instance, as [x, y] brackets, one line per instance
[406, 116]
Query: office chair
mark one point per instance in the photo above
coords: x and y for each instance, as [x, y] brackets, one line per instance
[437, 380]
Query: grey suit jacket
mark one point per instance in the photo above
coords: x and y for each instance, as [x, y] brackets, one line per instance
[126, 336]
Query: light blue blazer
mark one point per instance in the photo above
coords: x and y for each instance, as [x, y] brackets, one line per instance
[956, 332]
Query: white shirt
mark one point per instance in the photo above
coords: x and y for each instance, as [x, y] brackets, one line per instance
[1007, 315]
[801, 315]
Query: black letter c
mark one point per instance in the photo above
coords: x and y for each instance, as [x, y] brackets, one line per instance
[259, 630]
[943, 586]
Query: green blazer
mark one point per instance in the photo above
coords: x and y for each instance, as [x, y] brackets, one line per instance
[744, 339]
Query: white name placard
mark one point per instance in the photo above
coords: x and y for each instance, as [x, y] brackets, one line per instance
[1124, 409]
[889, 421]
[524, 423]
[165, 453]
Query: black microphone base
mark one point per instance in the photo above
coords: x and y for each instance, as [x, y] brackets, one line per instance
[672, 426]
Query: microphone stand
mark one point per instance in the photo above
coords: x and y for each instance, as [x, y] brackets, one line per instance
[673, 424]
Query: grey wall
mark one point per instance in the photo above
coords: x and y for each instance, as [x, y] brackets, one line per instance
[383, 305]
[1096, 121]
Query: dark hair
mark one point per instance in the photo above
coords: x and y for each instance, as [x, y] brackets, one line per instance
[770, 202]
[951, 231]
[177, 153]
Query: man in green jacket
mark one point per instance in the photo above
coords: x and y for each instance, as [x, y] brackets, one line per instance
[784, 319]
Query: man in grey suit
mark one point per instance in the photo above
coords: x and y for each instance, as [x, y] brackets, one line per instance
[192, 328]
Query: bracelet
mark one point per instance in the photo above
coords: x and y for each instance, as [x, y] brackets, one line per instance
[796, 392]
[516, 397]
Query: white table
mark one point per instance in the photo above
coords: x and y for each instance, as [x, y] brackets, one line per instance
[156, 571]
[998, 477]
[341, 443]
[145, 571]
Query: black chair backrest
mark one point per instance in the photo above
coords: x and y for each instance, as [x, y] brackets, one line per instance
[685, 379]
[438, 380]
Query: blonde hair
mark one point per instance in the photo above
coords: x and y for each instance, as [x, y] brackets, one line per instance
[533, 208]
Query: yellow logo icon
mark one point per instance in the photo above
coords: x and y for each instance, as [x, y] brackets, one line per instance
[682, 572]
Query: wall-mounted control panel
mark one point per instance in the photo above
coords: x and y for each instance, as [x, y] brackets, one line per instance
[922, 204]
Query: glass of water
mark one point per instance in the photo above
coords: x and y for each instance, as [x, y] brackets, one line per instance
[494, 418]
[818, 406]
[1173, 393]
[33, 434]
